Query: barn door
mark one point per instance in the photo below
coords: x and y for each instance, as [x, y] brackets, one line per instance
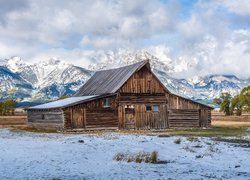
[129, 117]
[203, 118]
[78, 118]
[151, 116]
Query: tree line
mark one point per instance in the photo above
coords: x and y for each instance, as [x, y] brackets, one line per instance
[234, 105]
[7, 107]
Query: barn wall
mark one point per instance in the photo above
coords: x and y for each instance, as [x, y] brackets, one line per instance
[142, 89]
[52, 119]
[142, 81]
[132, 111]
[92, 114]
[142, 98]
[176, 102]
[102, 118]
[75, 118]
[140, 119]
[183, 111]
[184, 118]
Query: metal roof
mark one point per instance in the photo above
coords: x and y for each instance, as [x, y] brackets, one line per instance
[109, 81]
[63, 102]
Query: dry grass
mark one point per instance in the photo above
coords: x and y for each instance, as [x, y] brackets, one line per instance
[34, 130]
[220, 120]
[137, 157]
[12, 120]
[232, 124]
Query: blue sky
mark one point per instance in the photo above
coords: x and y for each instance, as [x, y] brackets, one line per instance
[205, 36]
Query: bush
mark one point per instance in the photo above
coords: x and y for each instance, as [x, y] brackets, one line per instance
[137, 157]
[187, 148]
[177, 141]
[154, 157]
[193, 139]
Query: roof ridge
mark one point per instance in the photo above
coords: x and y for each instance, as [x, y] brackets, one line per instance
[145, 62]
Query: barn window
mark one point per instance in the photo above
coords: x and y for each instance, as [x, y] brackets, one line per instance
[148, 108]
[156, 108]
[43, 116]
[106, 102]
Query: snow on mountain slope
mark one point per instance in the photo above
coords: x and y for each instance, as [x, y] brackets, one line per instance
[45, 73]
[48, 80]
[12, 85]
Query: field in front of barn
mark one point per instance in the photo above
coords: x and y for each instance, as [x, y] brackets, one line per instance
[28, 155]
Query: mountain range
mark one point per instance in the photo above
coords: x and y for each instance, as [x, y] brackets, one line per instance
[47, 80]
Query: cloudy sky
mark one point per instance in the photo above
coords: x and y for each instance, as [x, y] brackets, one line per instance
[212, 36]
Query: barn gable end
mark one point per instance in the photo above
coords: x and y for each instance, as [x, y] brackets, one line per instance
[143, 82]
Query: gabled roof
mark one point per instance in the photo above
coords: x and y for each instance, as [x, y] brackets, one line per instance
[109, 81]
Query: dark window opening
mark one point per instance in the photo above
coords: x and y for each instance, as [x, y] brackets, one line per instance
[43, 116]
[148, 108]
[106, 102]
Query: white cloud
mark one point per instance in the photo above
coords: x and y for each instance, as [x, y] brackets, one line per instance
[241, 7]
[207, 40]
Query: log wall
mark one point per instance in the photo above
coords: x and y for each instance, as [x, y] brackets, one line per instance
[183, 118]
[52, 119]
[92, 114]
[130, 98]
[101, 118]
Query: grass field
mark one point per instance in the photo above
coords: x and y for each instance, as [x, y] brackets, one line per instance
[220, 120]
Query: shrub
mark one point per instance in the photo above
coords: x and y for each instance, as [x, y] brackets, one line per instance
[137, 157]
[154, 157]
[187, 148]
[177, 141]
[192, 139]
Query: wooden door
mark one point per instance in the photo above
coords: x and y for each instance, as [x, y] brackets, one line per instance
[78, 118]
[129, 117]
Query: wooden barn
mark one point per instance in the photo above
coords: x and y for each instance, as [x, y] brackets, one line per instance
[130, 97]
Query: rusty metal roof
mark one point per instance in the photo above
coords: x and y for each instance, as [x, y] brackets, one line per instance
[109, 81]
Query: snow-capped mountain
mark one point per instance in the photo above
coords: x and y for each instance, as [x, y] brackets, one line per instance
[43, 80]
[48, 80]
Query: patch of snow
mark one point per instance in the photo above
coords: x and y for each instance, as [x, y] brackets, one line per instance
[62, 156]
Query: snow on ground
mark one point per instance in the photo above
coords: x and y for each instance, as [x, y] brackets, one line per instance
[25, 155]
